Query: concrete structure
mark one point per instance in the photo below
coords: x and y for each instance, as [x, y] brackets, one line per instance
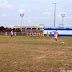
[28, 28]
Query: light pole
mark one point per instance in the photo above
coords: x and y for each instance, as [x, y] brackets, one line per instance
[54, 13]
[21, 15]
[62, 15]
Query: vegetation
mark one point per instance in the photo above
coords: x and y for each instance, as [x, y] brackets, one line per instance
[2, 28]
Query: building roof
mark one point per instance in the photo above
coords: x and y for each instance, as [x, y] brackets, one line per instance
[26, 27]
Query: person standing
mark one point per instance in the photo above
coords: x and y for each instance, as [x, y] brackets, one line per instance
[11, 33]
[42, 35]
[51, 34]
[6, 34]
[15, 33]
[47, 34]
[30, 34]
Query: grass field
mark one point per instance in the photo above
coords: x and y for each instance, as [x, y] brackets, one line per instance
[25, 54]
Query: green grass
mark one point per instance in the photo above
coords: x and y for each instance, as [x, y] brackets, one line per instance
[25, 54]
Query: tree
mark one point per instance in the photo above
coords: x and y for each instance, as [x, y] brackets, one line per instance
[2, 28]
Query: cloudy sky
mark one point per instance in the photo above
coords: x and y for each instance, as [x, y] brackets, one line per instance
[36, 12]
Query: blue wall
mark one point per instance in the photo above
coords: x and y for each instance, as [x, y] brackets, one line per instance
[62, 32]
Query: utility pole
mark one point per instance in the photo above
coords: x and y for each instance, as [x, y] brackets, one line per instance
[54, 13]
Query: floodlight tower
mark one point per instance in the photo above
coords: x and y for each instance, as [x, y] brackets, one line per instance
[54, 13]
[62, 15]
[21, 15]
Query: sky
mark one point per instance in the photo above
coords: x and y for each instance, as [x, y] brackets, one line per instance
[36, 12]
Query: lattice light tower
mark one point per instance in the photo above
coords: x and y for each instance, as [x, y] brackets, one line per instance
[63, 15]
[21, 15]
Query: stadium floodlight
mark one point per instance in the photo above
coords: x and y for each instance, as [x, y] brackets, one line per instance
[21, 15]
[54, 13]
[63, 15]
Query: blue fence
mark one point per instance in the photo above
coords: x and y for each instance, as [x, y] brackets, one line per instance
[62, 31]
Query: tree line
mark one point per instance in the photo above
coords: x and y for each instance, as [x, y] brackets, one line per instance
[2, 28]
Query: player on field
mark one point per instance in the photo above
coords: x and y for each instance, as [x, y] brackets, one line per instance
[55, 35]
[42, 34]
[30, 34]
[47, 34]
[11, 33]
[6, 34]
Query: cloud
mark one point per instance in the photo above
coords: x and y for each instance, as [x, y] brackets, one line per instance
[29, 10]
[21, 10]
[4, 15]
[30, 19]
[39, 0]
[46, 12]
[5, 4]
[51, 8]
[22, 6]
